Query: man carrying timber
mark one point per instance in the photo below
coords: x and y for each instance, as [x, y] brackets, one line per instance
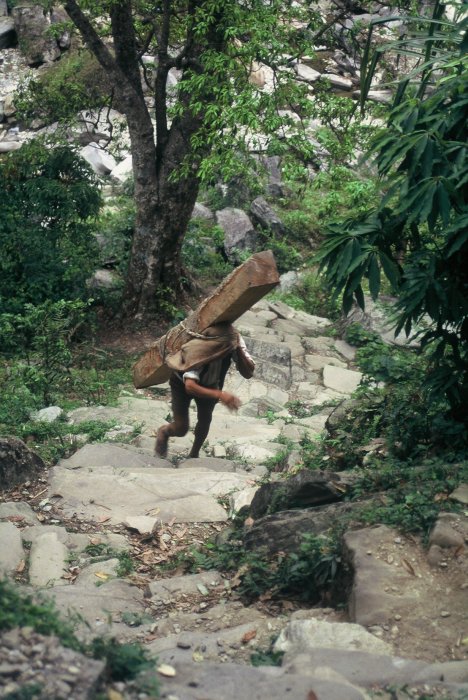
[199, 369]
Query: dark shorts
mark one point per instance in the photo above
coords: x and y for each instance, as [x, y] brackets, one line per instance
[181, 403]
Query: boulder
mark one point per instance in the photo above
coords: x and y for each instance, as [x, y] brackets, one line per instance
[59, 16]
[8, 146]
[17, 462]
[339, 379]
[7, 32]
[239, 233]
[304, 635]
[200, 211]
[271, 166]
[48, 415]
[266, 216]
[101, 162]
[306, 73]
[32, 24]
[338, 81]
[303, 490]
[123, 171]
[284, 531]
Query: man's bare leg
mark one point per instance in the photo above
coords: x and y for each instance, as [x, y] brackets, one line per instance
[205, 408]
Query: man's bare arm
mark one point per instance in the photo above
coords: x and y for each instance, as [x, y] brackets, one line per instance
[193, 388]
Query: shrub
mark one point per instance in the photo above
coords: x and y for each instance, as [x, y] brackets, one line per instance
[47, 197]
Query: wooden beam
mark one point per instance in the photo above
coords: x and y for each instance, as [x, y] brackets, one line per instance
[246, 285]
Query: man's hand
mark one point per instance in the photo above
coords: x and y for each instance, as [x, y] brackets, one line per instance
[230, 401]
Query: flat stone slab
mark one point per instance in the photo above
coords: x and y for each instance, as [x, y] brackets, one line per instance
[380, 589]
[130, 410]
[302, 635]
[18, 510]
[217, 681]
[108, 454]
[11, 549]
[212, 463]
[168, 589]
[98, 573]
[318, 362]
[75, 541]
[343, 380]
[359, 667]
[100, 607]
[186, 495]
[48, 561]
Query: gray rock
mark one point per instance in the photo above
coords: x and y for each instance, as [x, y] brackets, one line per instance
[98, 572]
[99, 609]
[48, 561]
[318, 362]
[8, 146]
[377, 317]
[303, 635]
[338, 81]
[58, 672]
[217, 465]
[266, 217]
[444, 535]
[372, 600]
[59, 16]
[101, 162]
[18, 509]
[345, 349]
[271, 164]
[339, 379]
[200, 211]
[338, 415]
[7, 32]
[17, 463]
[185, 495]
[108, 454]
[3, 8]
[48, 415]
[144, 524]
[288, 281]
[306, 73]
[11, 549]
[362, 668]
[230, 682]
[169, 589]
[123, 171]
[104, 279]
[32, 24]
[281, 309]
[239, 233]
[448, 671]
[460, 494]
[284, 531]
[303, 490]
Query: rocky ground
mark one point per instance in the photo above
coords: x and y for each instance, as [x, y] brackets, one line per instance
[404, 622]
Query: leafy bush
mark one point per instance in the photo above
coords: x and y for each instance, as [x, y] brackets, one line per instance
[310, 295]
[304, 574]
[43, 333]
[77, 82]
[47, 196]
[417, 234]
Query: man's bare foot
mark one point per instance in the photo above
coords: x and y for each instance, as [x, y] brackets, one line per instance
[160, 448]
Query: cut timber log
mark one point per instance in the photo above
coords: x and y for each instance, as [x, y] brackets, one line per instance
[235, 295]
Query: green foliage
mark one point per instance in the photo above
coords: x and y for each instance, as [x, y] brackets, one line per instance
[202, 252]
[115, 229]
[47, 196]
[417, 235]
[19, 610]
[267, 658]
[414, 492]
[335, 191]
[75, 83]
[27, 692]
[123, 661]
[303, 574]
[310, 295]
